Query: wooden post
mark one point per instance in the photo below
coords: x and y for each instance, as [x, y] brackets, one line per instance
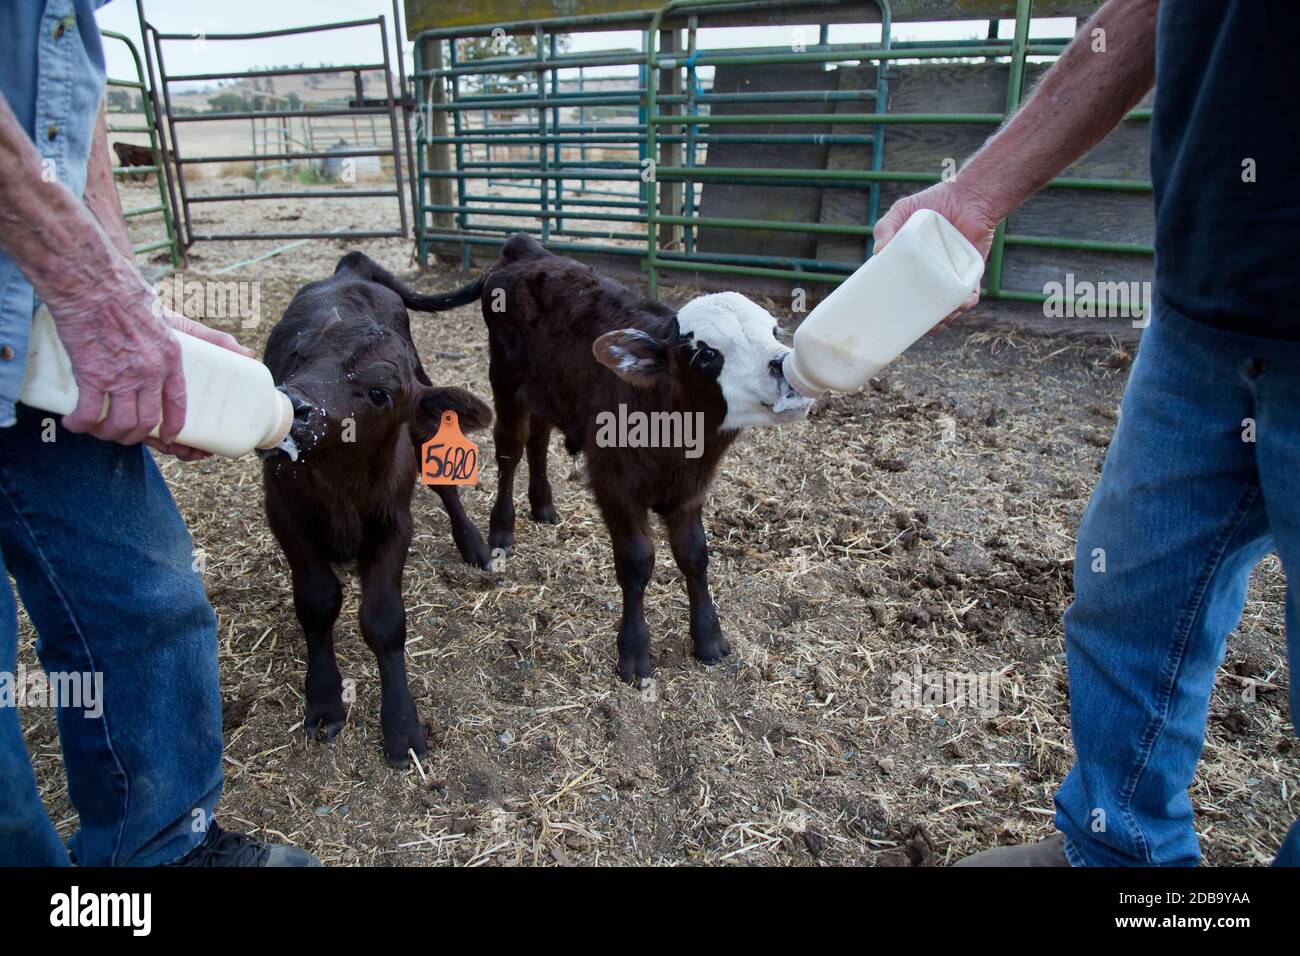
[848, 206]
[437, 157]
[670, 154]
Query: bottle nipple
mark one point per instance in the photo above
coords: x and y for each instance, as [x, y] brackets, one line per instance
[283, 424]
[790, 369]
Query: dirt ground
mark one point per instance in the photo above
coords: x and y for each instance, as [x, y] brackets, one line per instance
[926, 522]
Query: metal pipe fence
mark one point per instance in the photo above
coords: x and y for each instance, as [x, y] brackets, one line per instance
[549, 172]
[275, 145]
[157, 167]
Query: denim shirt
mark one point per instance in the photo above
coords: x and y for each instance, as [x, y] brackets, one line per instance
[52, 77]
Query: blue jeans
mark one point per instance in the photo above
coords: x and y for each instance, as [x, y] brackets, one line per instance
[105, 568]
[1201, 481]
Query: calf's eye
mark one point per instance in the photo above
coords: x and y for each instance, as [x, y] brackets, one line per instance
[705, 357]
[380, 397]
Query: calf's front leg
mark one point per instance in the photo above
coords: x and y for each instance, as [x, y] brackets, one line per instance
[463, 530]
[691, 551]
[383, 625]
[317, 598]
[634, 562]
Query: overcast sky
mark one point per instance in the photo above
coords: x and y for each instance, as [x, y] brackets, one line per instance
[361, 45]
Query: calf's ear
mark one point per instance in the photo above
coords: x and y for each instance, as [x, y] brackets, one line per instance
[472, 411]
[634, 356]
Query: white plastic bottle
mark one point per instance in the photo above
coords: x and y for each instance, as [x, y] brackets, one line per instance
[232, 405]
[927, 270]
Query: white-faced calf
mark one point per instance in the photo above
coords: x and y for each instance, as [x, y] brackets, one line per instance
[363, 406]
[569, 349]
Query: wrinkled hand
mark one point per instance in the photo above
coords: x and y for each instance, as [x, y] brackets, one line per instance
[956, 204]
[199, 331]
[121, 346]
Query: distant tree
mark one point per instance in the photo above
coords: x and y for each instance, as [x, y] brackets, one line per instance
[228, 102]
[506, 46]
[123, 102]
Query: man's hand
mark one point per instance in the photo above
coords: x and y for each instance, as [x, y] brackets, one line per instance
[200, 331]
[1077, 102]
[78, 256]
[122, 347]
[950, 201]
[956, 204]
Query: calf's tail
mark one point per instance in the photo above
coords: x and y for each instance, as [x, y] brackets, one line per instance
[367, 268]
[442, 301]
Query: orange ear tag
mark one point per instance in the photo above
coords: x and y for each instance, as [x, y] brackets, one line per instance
[449, 458]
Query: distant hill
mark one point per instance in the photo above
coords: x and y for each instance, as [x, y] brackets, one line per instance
[312, 88]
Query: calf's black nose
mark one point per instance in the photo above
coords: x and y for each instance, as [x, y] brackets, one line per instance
[301, 407]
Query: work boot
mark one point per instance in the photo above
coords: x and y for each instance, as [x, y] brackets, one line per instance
[1049, 852]
[224, 848]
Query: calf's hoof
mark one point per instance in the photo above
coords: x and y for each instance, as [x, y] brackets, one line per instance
[711, 650]
[545, 514]
[407, 743]
[633, 668]
[403, 731]
[323, 721]
[479, 557]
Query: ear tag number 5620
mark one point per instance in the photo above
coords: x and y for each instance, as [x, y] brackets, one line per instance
[449, 458]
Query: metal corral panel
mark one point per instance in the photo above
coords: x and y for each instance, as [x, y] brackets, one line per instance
[432, 14]
[774, 164]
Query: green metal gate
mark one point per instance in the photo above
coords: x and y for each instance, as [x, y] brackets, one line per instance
[680, 121]
[533, 85]
[157, 167]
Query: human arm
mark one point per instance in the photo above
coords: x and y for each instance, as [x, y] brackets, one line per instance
[101, 198]
[1077, 102]
[100, 195]
[115, 332]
